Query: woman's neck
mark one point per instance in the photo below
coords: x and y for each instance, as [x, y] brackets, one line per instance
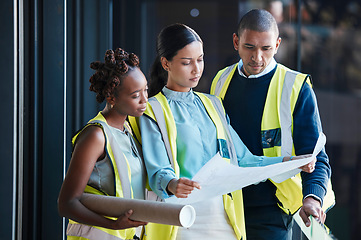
[114, 119]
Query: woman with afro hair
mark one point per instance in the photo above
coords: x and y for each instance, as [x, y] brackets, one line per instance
[105, 158]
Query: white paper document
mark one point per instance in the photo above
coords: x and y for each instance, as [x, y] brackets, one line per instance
[316, 231]
[217, 177]
[321, 141]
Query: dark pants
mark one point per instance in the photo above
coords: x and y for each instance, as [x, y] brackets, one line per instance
[268, 223]
[297, 234]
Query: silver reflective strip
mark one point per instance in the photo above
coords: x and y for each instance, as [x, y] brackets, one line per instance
[159, 116]
[222, 79]
[232, 151]
[89, 232]
[286, 115]
[119, 160]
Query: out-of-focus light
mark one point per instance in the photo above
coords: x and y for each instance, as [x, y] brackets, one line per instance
[194, 12]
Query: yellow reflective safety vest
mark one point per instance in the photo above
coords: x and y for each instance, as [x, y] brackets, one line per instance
[122, 173]
[159, 110]
[282, 96]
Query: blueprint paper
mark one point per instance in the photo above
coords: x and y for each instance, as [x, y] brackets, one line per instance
[321, 141]
[218, 177]
[316, 231]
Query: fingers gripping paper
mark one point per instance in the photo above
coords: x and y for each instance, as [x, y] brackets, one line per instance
[317, 230]
[145, 211]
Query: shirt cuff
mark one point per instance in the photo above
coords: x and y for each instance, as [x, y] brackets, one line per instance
[314, 189]
[314, 196]
[270, 160]
[163, 183]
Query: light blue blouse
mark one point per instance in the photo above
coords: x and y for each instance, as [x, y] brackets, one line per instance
[196, 142]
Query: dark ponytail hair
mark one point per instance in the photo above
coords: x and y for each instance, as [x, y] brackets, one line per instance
[117, 64]
[170, 40]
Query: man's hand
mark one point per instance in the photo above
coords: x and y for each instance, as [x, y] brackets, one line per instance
[312, 207]
[309, 167]
[182, 187]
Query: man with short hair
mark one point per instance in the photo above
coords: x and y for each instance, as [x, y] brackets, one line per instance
[274, 111]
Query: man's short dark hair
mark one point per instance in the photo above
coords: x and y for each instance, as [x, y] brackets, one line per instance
[258, 20]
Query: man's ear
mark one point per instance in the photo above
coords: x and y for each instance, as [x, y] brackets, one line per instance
[278, 43]
[235, 41]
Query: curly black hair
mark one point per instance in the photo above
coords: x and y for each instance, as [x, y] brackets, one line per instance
[109, 74]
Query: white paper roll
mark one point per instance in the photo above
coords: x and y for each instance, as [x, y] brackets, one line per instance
[187, 216]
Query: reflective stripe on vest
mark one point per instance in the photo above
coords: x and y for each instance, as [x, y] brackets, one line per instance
[233, 202]
[221, 81]
[286, 115]
[277, 119]
[122, 187]
[158, 112]
[123, 172]
[89, 232]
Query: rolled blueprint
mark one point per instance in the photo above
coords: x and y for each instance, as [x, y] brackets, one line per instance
[145, 211]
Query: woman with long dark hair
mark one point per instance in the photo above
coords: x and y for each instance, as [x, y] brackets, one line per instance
[196, 128]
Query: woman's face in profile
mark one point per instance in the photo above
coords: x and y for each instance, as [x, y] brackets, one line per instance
[131, 96]
[186, 68]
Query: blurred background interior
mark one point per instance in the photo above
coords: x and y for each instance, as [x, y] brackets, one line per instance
[46, 49]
